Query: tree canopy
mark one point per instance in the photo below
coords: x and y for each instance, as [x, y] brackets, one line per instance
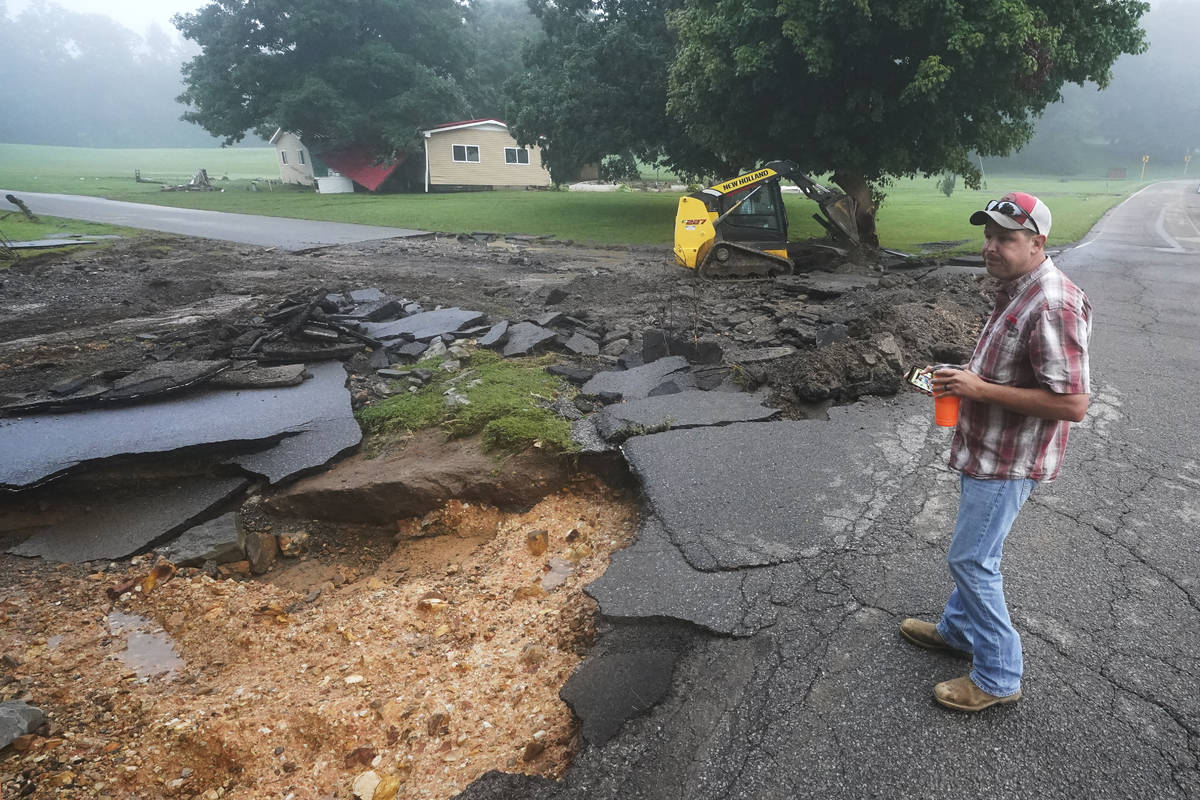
[367, 74]
[596, 86]
[879, 88]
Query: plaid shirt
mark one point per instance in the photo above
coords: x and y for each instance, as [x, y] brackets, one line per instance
[1036, 337]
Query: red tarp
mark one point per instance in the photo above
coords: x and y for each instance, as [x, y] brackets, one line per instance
[361, 167]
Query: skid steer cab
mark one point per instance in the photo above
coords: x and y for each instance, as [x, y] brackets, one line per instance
[739, 228]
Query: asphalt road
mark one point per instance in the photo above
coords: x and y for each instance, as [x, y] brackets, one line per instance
[281, 232]
[752, 648]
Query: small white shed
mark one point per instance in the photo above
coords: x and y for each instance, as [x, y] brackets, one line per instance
[295, 162]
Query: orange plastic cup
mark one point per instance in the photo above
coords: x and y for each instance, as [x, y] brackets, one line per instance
[945, 410]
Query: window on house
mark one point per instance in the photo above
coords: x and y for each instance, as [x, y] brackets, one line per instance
[516, 155]
[283, 157]
[300, 155]
[466, 152]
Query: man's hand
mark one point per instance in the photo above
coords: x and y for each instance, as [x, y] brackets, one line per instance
[1041, 403]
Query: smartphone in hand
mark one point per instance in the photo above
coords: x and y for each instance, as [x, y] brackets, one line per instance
[920, 379]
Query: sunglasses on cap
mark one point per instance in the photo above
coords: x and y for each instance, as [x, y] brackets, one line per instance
[1013, 211]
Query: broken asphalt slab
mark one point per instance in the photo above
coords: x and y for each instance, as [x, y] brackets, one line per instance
[756, 494]
[650, 579]
[636, 383]
[625, 675]
[218, 540]
[424, 325]
[112, 529]
[314, 420]
[524, 337]
[156, 380]
[687, 409]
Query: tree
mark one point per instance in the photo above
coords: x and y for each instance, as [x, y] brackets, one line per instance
[877, 88]
[366, 74]
[596, 86]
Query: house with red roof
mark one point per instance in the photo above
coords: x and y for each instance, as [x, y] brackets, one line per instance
[458, 156]
[479, 154]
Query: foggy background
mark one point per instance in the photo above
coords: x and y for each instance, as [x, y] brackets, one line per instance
[74, 74]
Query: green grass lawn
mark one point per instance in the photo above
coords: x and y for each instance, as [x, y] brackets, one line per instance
[915, 212]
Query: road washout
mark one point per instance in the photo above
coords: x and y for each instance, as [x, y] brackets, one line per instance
[353, 653]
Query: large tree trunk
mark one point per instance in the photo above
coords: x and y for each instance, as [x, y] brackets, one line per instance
[856, 186]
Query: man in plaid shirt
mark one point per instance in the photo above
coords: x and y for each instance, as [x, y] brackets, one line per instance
[1025, 383]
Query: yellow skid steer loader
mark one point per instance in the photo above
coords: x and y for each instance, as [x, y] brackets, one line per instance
[739, 228]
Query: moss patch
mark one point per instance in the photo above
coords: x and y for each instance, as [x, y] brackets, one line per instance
[505, 397]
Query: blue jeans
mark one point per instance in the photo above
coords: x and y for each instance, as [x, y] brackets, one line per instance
[976, 619]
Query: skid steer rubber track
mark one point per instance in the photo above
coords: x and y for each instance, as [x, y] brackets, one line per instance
[728, 260]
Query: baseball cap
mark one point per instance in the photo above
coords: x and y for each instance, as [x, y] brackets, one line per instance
[1016, 210]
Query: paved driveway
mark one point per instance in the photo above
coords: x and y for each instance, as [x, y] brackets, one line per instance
[281, 232]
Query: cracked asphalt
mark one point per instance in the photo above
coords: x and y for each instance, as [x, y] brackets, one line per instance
[776, 560]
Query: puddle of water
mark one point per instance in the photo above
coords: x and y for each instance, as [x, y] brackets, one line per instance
[149, 652]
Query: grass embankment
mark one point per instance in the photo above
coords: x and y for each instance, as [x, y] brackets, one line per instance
[914, 214]
[504, 397]
[15, 227]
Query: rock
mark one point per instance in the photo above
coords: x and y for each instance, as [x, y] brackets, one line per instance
[18, 718]
[388, 788]
[293, 544]
[365, 784]
[532, 750]
[537, 540]
[556, 296]
[217, 540]
[234, 569]
[524, 337]
[261, 551]
[436, 348]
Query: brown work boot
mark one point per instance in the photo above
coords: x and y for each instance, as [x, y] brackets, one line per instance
[962, 694]
[925, 634]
